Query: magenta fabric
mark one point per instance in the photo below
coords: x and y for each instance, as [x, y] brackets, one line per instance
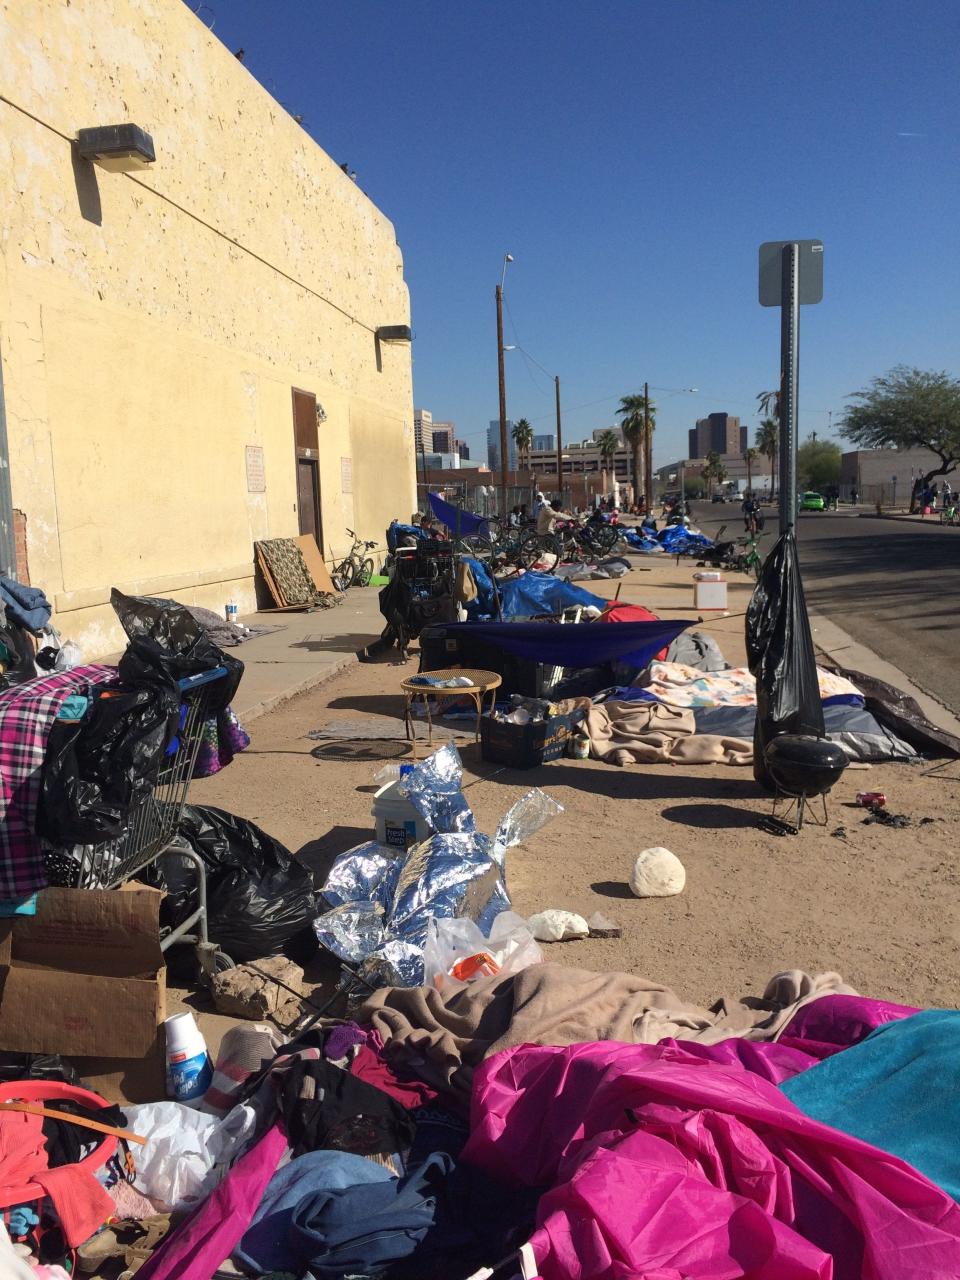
[831, 1023]
[663, 1164]
[771, 1061]
[209, 1236]
[27, 714]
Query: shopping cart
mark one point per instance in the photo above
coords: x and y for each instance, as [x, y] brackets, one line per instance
[152, 828]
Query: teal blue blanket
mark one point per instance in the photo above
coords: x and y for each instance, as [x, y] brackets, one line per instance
[899, 1089]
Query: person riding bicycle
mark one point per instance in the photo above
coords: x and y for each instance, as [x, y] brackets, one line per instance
[752, 515]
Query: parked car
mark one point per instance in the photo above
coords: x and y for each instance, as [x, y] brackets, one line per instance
[812, 502]
[719, 497]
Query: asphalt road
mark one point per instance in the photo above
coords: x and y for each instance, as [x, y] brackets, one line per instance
[894, 585]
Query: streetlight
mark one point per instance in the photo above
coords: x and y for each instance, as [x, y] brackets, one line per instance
[507, 257]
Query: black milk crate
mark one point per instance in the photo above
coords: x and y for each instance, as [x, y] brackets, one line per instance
[524, 746]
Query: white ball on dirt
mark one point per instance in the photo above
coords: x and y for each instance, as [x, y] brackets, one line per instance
[657, 873]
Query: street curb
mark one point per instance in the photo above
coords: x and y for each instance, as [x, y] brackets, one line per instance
[306, 685]
[925, 520]
[832, 647]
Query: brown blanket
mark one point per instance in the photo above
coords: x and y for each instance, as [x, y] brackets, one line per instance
[445, 1038]
[654, 733]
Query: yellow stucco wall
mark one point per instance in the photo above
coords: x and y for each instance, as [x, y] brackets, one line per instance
[152, 325]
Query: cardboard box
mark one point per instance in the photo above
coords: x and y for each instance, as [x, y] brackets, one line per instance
[709, 595]
[85, 978]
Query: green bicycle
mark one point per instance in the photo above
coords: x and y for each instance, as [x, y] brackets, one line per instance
[749, 560]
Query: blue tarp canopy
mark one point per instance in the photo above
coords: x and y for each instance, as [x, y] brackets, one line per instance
[529, 596]
[676, 537]
[579, 644]
[532, 594]
[464, 523]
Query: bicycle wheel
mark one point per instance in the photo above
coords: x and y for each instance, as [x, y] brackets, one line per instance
[478, 546]
[494, 528]
[365, 573]
[529, 551]
[605, 538]
[343, 574]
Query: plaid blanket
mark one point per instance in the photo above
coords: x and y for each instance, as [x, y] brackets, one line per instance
[27, 713]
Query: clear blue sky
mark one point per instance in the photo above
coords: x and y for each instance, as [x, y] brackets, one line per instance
[632, 155]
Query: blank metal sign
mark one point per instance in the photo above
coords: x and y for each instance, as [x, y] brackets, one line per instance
[810, 273]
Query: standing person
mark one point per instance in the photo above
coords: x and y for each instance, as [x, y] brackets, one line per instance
[539, 503]
[854, 495]
[524, 517]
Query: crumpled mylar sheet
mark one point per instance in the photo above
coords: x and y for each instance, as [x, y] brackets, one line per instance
[382, 899]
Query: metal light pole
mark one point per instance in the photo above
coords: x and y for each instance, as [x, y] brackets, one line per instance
[556, 382]
[647, 452]
[504, 454]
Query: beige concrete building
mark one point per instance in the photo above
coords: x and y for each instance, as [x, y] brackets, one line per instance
[161, 329]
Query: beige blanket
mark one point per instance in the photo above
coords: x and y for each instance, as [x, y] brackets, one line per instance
[653, 733]
[444, 1039]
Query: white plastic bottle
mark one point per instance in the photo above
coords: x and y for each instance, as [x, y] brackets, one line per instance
[189, 1069]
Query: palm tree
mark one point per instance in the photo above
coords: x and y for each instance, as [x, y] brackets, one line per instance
[630, 414]
[523, 439]
[769, 402]
[609, 443]
[711, 470]
[720, 473]
[768, 442]
[750, 456]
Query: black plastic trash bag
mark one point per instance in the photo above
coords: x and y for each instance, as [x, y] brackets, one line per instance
[97, 770]
[167, 644]
[780, 655]
[259, 897]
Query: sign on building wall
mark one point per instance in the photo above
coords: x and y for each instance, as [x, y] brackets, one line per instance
[256, 471]
[346, 475]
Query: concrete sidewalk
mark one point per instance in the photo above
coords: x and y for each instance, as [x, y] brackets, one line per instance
[313, 647]
[310, 648]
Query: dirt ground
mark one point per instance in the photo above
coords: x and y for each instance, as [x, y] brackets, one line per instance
[879, 906]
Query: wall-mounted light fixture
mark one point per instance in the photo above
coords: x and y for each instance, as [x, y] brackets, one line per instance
[117, 147]
[321, 412]
[395, 333]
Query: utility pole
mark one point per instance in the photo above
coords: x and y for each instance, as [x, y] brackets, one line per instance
[556, 382]
[504, 458]
[647, 452]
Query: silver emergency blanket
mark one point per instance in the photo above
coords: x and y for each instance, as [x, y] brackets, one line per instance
[382, 900]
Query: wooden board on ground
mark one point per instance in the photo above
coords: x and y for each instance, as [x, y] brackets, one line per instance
[314, 560]
[280, 604]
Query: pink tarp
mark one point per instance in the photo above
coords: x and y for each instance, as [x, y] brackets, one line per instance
[666, 1164]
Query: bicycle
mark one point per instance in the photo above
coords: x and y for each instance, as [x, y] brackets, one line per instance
[950, 514]
[749, 560]
[352, 571]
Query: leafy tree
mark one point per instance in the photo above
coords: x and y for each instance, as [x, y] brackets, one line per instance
[694, 487]
[630, 414]
[720, 473]
[768, 442]
[818, 464]
[750, 456]
[909, 409]
[523, 438]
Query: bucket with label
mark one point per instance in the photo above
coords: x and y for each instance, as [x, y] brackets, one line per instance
[398, 824]
[189, 1069]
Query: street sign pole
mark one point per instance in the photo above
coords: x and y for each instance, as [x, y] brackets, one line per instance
[789, 376]
[791, 274]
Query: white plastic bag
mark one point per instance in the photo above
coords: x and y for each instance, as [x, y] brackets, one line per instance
[456, 950]
[70, 656]
[554, 925]
[187, 1152]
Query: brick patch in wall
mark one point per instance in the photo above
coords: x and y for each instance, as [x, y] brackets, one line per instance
[20, 540]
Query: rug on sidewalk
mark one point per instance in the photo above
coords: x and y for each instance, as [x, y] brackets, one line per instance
[379, 728]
